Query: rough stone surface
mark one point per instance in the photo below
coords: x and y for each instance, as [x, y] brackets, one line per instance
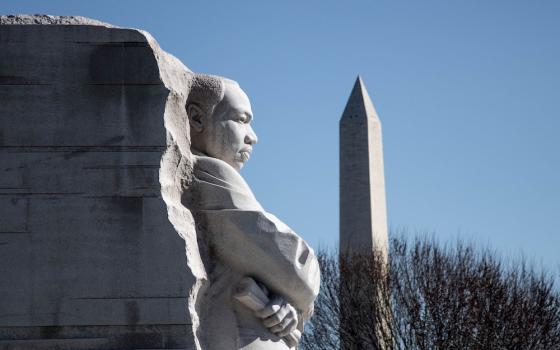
[363, 213]
[47, 19]
[88, 256]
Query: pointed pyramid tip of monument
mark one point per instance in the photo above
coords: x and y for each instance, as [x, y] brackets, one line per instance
[359, 103]
[359, 84]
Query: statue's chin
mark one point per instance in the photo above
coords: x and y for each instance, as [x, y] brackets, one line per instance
[240, 161]
[238, 165]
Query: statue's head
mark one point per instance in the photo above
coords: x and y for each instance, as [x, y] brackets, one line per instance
[220, 120]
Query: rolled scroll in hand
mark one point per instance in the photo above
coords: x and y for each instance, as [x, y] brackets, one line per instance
[250, 294]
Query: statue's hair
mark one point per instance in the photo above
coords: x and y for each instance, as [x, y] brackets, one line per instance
[207, 91]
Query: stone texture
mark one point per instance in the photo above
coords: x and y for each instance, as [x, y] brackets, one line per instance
[47, 19]
[97, 247]
[88, 255]
[237, 237]
[363, 215]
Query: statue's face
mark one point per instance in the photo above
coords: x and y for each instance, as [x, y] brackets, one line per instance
[228, 131]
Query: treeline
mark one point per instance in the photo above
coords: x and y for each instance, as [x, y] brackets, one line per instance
[428, 296]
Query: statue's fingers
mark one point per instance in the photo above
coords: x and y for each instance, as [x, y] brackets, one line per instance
[271, 308]
[277, 318]
[282, 325]
[292, 326]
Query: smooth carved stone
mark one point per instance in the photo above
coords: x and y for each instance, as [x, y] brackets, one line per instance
[88, 256]
[237, 237]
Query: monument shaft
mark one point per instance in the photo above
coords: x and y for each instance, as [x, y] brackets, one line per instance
[363, 216]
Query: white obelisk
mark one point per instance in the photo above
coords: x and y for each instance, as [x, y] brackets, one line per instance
[363, 213]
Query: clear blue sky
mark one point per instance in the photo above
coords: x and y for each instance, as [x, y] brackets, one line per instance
[468, 93]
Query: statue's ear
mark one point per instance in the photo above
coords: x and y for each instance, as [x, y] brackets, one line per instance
[195, 115]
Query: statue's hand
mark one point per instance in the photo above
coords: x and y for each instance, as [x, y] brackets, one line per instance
[279, 317]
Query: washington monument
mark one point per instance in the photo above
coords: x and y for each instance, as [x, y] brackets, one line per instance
[363, 213]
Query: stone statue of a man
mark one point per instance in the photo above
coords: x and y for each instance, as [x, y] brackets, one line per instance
[237, 238]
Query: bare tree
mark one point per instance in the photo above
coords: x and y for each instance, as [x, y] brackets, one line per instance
[433, 297]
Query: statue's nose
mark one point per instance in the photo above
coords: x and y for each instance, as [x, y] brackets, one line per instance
[251, 137]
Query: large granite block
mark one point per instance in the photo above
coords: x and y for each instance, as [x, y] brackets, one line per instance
[88, 256]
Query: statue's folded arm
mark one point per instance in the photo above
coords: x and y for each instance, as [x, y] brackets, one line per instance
[257, 244]
[253, 242]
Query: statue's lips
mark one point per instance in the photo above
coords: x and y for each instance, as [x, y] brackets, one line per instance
[245, 155]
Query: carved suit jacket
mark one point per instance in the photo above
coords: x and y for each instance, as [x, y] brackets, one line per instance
[242, 239]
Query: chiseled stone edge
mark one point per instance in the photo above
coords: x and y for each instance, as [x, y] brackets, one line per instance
[176, 162]
[175, 174]
[42, 19]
